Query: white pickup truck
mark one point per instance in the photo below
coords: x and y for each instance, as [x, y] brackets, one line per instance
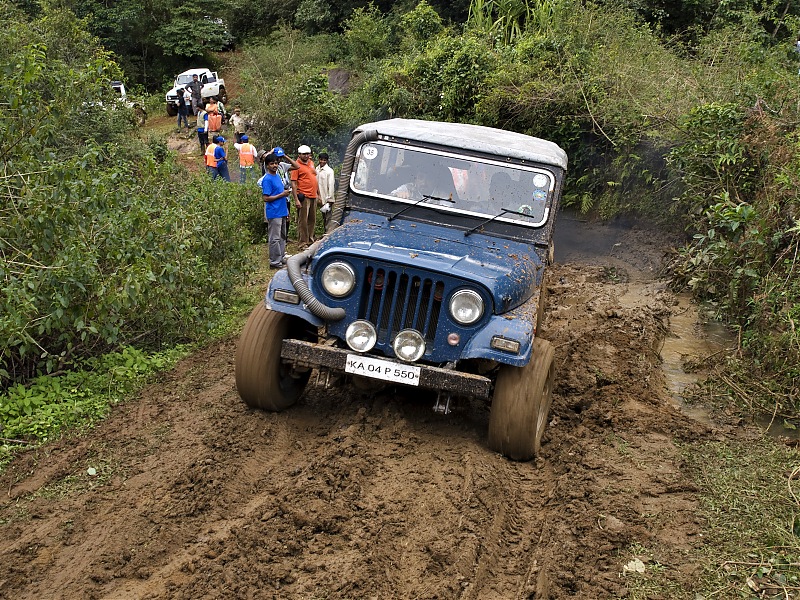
[213, 85]
[139, 111]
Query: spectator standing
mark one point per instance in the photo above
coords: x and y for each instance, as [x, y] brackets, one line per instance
[222, 111]
[187, 97]
[239, 127]
[183, 112]
[275, 210]
[196, 88]
[304, 181]
[325, 187]
[202, 129]
[285, 167]
[214, 117]
[221, 156]
[247, 158]
[211, 161]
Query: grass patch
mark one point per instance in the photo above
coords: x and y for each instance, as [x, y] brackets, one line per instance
[52, 405]
[750, 503]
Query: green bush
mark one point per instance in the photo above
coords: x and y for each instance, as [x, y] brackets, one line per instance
[366, 34]
[103, 242]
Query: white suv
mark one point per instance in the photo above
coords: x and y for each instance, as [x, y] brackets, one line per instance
[213, 85]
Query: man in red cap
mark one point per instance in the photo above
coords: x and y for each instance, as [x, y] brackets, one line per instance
[304, 180]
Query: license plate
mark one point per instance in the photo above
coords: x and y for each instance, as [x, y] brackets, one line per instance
[382, 369]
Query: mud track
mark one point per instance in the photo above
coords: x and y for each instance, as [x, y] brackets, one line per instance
[351, 496]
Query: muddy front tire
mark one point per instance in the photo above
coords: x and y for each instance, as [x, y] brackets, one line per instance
[172, 110]
[262, 379]
[521, 404]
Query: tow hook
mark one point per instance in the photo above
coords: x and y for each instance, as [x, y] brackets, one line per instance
[442, 405]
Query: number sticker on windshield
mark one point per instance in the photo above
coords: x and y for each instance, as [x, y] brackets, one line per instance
[369, 152]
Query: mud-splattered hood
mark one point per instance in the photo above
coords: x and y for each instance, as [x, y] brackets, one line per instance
[509, 270]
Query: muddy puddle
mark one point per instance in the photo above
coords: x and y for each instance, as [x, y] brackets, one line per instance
[692, 343]
[692, 339]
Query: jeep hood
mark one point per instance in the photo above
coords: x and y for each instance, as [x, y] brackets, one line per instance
[509, 270]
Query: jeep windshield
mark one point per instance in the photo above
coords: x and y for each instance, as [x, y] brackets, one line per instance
[184, 79]
[482, 188]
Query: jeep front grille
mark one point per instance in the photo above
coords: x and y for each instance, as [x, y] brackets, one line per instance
[393, 301]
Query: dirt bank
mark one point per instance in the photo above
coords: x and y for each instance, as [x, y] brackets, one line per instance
[345, 496]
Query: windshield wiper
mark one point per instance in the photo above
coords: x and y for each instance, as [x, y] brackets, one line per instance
[420, 201]
[489, 220]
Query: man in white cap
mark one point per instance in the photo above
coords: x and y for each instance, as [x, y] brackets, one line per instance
[304, 180]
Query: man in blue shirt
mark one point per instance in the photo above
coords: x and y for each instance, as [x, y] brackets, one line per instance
[275, 210]
[221, 155]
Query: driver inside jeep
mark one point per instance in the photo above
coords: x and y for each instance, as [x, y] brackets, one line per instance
[431, 182]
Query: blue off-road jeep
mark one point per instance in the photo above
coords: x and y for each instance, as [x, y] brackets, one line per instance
[429, 275]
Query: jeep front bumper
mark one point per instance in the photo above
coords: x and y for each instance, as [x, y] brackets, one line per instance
[310, 355]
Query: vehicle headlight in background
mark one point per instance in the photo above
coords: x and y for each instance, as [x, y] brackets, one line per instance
[466, 307]
[409, 345]
[361, 336]
[338, 279]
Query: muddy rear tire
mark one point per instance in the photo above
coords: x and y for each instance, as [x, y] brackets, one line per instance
[521, 404]
[262, 379]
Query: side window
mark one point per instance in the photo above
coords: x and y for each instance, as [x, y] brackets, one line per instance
[204, 79]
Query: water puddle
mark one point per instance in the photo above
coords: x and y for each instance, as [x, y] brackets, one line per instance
[635, 251]
[691, 343]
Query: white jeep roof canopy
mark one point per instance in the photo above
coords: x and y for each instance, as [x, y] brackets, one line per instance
[476, 138]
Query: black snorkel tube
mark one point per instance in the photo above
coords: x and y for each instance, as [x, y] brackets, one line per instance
[295, 263]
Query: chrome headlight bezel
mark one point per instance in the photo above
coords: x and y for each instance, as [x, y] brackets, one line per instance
[358, 328]
[405, 339]
[344, 283]
[466, 299]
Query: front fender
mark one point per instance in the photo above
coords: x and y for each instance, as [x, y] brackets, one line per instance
[280, 281]
[518, 324]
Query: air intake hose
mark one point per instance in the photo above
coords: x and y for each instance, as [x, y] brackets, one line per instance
[295, 263]
[294, 266]
[344, 176]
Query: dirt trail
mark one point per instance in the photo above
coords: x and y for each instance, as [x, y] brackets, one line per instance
[348, 496]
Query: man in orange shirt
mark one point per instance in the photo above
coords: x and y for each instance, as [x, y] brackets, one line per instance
[304, 181]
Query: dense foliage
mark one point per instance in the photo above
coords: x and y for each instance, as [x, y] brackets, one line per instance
[103, 242]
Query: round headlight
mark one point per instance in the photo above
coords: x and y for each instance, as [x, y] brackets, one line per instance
[338, 279]
[361, 336]
[409, 345]
[466, 307]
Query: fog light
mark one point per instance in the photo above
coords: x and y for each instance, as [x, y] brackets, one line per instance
[453, 339]
[501, 343]
[361, 336]
[284, 296]
[409, 345]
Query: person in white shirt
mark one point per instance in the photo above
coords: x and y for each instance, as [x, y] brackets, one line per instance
[325, 187]
[239, 125]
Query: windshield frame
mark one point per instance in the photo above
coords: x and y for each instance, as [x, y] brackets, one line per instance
[498, 163]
